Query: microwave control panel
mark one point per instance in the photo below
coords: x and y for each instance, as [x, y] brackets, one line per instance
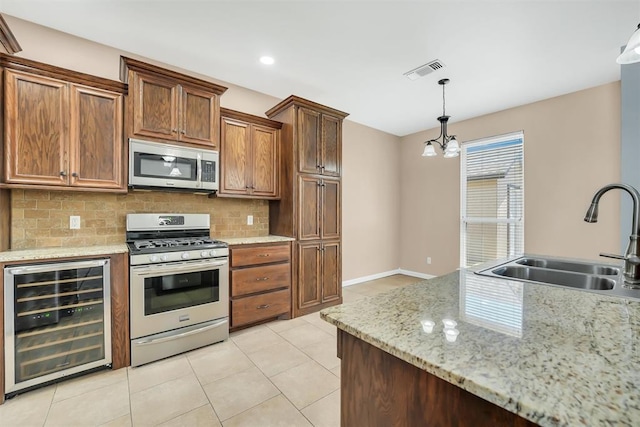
[208, 171]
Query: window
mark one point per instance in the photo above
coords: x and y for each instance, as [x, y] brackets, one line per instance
[492, 199]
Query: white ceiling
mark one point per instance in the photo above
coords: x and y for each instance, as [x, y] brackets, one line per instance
[351, 55]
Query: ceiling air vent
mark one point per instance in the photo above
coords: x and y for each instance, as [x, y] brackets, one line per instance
[425, 69]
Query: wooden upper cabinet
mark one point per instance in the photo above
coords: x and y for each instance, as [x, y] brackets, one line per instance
[168, 106]
[309, 148]
[96, 134]
[155, 107]
[250, 156]
[320, 148]
[36, 129]
[331, 147]
[63, 129]
[199, 118]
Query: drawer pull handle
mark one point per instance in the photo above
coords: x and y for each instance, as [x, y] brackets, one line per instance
[260, 307]
[261, 279]
[263, 255]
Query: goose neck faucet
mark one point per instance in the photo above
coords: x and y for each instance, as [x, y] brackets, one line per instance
[631, 257]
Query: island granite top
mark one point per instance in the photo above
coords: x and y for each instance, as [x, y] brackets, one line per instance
[61, 252]
[555, 356]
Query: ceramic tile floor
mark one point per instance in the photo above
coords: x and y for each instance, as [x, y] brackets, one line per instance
[283, 373]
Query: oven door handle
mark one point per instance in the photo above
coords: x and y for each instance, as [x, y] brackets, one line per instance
[147, 270]
[149, 341]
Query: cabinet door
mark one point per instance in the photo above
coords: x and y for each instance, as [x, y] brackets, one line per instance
[309, 141]
[331, 147]
[264, 157]
[309, 208]
[234, 155]
[309, 265]
[330, 224]
[198, 117]
[95, 138]
[331, 271]
[155, 107]
[36, 129]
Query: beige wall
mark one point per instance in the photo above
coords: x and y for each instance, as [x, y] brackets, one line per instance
[370, 164]
[572, 148]
[370, 202]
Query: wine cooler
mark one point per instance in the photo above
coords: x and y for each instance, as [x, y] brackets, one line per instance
[57, 321]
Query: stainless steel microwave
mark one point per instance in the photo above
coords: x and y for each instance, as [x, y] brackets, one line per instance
[154, 165]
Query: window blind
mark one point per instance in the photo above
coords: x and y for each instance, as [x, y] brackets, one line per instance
[492, 199]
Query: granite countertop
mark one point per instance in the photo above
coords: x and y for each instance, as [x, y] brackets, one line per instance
[555, 356]
[61, 252]
[262, 239]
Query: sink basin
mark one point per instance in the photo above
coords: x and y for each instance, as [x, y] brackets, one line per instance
[566, 273]
[578, 267]
[556, 277]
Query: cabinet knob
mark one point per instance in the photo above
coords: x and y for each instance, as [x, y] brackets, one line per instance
[318, 167]
[63, 173]
[183, 131]
[174, 130]
[75, 174]
[322, 167]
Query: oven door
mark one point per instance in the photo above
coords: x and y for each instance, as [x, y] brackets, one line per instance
[174, 295]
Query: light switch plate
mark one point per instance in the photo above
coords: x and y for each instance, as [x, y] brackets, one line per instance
[249, 219]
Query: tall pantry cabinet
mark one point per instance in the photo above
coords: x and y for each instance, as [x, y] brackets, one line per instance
[309, 208]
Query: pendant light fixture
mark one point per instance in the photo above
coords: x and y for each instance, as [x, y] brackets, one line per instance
[449, 144]
[631, 53]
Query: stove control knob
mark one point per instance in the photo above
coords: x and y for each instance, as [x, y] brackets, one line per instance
[212, 253]
[154, 258]
[185, 255]
[204, 254]
[165, 257]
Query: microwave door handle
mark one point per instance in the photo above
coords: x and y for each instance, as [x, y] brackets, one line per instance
[199, 173]
[153, 269]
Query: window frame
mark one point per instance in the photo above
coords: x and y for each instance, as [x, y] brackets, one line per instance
[464, 220]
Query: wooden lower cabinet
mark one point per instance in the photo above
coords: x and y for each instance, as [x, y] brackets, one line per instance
[378, 389]
[260, 283]
[319, 276]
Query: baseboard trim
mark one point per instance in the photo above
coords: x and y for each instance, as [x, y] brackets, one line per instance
[386, 274]
[415, 274]
[370, 277]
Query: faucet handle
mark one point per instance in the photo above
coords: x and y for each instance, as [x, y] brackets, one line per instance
[632, 259]
[613, 256]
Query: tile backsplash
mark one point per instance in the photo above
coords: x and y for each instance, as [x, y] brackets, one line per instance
[41, 218]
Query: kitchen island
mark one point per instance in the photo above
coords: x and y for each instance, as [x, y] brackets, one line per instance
[526, 354]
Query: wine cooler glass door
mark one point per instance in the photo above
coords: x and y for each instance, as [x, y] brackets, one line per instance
[57, 321]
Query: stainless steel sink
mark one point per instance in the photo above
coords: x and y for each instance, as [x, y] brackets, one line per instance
[556, 277]
[580, 275]
[578, 267]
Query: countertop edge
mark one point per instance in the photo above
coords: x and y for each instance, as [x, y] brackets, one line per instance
[61, 252]
[254, 240]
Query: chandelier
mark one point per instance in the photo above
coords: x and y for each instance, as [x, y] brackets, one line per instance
[631, 52]
[449, 144]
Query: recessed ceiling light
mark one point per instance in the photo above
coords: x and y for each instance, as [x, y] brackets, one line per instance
[267, 60]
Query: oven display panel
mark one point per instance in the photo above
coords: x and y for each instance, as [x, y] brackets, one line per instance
[180, 290]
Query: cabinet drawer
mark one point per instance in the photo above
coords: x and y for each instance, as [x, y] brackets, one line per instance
[258, 279]
[241, 257]
[260, 307]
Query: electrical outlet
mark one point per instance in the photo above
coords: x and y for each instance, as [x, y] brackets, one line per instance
[249, 219]
[428, 260]
[74, 222]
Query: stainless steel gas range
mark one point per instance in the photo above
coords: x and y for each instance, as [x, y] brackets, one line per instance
[179, 285]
